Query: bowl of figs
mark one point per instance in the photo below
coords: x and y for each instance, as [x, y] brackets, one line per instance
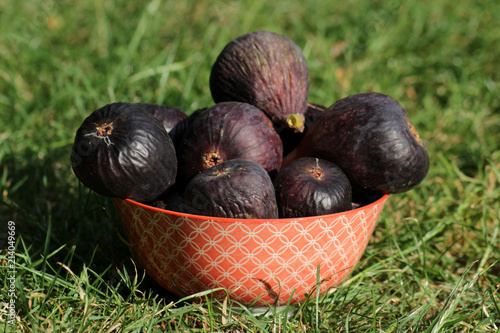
[262, 196]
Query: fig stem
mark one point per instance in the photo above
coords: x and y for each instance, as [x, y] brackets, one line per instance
[103, 132]
[296, 121]
[316, 171]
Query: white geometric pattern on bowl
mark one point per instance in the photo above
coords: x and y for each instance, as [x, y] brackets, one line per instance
[269, 261]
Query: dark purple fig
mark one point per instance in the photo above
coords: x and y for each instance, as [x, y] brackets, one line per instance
[291, 139]
[236, 189]
[267, 70]
[172, 200]
[193, 115]
[122, 151]
[360, 199]
[311, 186]
[370, 137]
[173, 119]
[228, 131]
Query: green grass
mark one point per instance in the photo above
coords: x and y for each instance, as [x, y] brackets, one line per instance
[432, 263]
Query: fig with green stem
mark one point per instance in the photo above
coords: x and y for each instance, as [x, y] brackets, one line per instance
[267, 70]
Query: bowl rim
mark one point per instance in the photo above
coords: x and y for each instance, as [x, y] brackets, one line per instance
[383, 198]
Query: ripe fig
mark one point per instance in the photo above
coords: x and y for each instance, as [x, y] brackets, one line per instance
[173, 119]
[227, 131]
[371, 138]
[235, 188]
[122, 151]
[311, 186]
[267, 70]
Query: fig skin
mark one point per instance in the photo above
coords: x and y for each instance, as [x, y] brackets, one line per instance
[311, 186]
[267, 70]
[173, 119]
[235, 188]
[228, 131]
[371, 138]
[121, 151]
[172, 200]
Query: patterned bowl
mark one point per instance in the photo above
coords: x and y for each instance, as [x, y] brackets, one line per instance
[255, 262]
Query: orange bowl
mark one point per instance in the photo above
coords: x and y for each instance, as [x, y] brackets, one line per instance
[256, 262]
